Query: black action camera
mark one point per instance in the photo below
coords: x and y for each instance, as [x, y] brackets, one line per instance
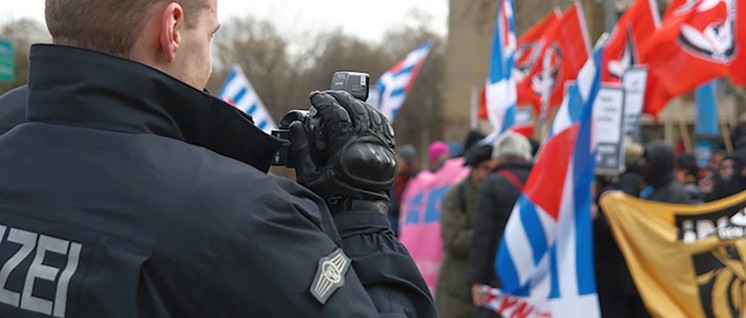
[352, 82]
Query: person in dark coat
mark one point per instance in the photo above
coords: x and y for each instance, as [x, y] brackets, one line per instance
[453, 292]
[131, 192]
[658, 171]
[631, 181]
[13, 108]
[617, 293]
[408, 167]
[496, 197]
[687, 172]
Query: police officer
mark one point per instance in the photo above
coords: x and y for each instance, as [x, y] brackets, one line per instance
[132, 193]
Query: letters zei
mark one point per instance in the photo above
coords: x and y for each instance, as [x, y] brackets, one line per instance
[37, 246]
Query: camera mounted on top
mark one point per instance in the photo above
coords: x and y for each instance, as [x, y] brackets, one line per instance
[354, 83]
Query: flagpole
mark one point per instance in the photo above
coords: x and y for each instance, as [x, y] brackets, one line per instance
[545, 87]
[474, 108]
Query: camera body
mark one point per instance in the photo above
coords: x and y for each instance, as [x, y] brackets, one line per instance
[354, 83]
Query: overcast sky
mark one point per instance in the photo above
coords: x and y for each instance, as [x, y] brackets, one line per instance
[367, 19]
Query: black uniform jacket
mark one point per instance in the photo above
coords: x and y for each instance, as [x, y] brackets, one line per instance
[13, 108]
[130, 194]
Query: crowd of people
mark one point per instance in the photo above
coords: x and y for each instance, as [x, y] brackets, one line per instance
[475, 210]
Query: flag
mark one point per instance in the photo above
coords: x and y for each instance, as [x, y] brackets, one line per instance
[501, 86]
[568, 48]
[546, 252]
[694, 45]
[737, 67]
[706, 125]
[237, 91]
[392, 87]
[528, 53]
[420, 216]
[737, 22]
[634, 27]
[686, 260]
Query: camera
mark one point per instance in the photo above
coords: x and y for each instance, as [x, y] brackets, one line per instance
[354, 83]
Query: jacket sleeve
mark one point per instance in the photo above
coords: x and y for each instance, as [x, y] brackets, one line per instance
[454, 224]
[485, 228]
[287, 232]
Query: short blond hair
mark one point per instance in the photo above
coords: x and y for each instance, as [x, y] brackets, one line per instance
[110, 26]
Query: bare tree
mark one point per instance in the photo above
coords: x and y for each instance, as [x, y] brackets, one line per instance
[420, 120]
[284, 72]
[258, 48]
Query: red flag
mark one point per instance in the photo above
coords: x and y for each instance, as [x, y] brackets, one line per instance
[569, 47]
[675, 4]
[738, 66]
[736, 22]
[529, 52]
[634, 27]
[694, 45]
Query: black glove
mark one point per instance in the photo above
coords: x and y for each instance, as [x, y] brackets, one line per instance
[358, 162]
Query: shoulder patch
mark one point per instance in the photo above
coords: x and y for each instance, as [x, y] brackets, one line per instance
[330, 275]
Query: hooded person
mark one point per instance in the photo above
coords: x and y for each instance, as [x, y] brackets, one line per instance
[617, 294]
[658, 172]
[496, 196]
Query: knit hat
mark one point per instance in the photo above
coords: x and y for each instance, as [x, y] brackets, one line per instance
[408, 153]
[511, 144]
[435, 150]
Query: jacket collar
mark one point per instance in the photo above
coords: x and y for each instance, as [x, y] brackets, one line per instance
[84, 88]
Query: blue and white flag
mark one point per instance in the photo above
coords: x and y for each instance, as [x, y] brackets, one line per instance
[237, 91]
[545, 257]
[501, 90]
[392, 87]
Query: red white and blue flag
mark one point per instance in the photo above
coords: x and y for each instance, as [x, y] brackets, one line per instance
[501, 88]
[237, 91]
[392, 87]
[545, 257]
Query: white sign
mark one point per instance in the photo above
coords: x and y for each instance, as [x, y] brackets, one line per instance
[608, 110]
[634, 82]
[524, 116]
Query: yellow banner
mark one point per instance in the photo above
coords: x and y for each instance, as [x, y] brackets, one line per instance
[686, 260]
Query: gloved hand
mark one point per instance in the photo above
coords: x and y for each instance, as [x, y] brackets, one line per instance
[358, 162]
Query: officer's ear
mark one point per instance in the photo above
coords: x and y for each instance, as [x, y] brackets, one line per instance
[171, 18]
